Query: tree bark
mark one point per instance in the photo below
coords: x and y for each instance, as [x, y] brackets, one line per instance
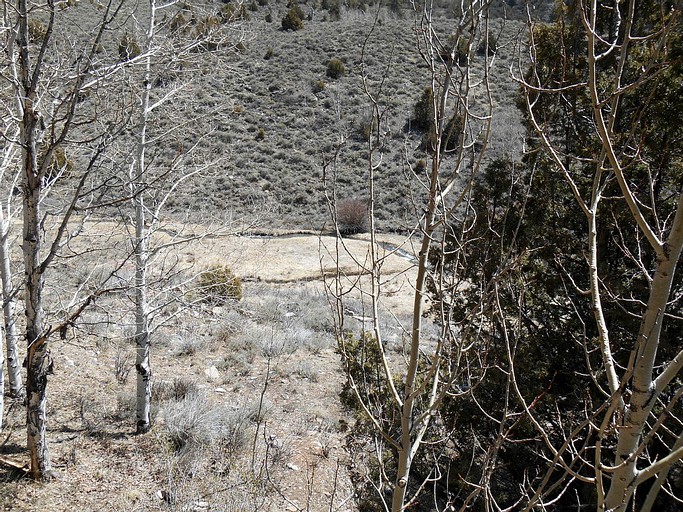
[142, 321]
[643, 391]
[142, 339]
[13, 368]
[39, 362]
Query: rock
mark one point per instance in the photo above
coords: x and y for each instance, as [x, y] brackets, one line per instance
[212, 373]
[292, 466]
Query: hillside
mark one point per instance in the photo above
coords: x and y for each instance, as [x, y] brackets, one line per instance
[309, 256]
[286, 118]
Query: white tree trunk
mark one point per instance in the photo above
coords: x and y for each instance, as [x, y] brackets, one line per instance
[39, 362]
[2, 385]
[10, 167]
[142, 338]
[644, 392]
[142, 320]
[13, 368]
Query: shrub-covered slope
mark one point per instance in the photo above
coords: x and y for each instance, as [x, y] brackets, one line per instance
[287, 117]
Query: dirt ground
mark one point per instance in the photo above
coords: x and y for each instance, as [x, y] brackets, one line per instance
[292, 451]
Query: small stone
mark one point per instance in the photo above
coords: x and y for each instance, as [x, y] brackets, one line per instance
[212, 373]
[292, 466]
[220, 390]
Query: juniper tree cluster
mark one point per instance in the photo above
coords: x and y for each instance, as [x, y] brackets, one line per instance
[524, 218]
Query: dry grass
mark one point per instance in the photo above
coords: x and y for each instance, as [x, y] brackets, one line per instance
[261, 436]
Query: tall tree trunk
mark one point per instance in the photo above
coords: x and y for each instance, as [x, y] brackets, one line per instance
[9, 165]
[13, 368]
[142, 337]
[645, 390]
[39, 362]
[2, 386]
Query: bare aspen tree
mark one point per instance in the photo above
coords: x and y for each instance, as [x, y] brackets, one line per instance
[8, 211]
[69, 130]
[9, 366]
[49, 89]
[618, 65]
[165, 44]
[401, 400]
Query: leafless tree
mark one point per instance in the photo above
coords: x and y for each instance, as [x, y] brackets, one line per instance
[8, 211]
[47, 91]
[434, 368]
[67, 122]
[167, 45]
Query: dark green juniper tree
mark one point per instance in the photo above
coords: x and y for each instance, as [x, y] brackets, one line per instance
[583, 332]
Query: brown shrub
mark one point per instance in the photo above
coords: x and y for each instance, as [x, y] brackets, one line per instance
[218, 285]
[352, 216]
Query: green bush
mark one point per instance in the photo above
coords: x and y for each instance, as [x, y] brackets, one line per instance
[490, 48]
[423, 113]
[335, 68]
[366, 126]
[292, 20]
[229, 13]
[396, 7]
[358, 5]
[218, 285]
[36, 31]
[318, 86]
[60, 165]
[179, 23]
[461, 46]
[129, 48]
[333, 7]
[450, 138]
[452, 133]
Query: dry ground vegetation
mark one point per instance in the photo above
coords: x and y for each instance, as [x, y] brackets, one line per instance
[247, 415]
[288, 117]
